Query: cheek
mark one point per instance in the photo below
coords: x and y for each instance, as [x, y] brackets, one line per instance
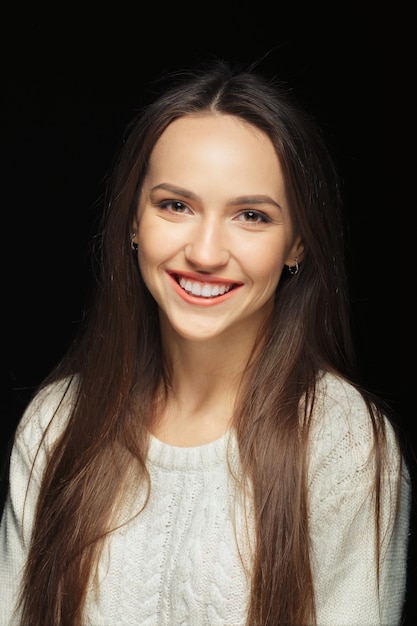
[267, 265]
[148, 247]
[151, 236]
[159, 240]
[156, 246]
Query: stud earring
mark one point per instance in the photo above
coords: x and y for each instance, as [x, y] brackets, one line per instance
[293, 269]
[133, 243]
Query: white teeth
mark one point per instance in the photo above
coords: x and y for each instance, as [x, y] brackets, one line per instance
[196, 289]
[205, 290]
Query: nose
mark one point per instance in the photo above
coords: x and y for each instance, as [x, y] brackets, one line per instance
[207, 246]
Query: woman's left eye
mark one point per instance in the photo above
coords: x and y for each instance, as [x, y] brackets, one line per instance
[253, 217]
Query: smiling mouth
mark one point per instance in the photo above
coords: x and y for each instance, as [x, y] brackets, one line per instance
[203, 289]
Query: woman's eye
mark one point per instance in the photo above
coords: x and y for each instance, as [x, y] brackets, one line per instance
[253, 217]
[175, 206]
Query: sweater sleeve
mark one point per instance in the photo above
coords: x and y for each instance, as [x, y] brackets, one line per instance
[27, 462]
[342, 518]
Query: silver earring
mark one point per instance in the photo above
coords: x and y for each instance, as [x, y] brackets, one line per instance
[133, 243]
[293, 269]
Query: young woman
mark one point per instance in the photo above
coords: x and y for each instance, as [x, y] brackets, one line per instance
[203, 455]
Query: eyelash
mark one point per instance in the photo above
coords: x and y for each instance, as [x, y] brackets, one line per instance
[261, 218]
[171, 204]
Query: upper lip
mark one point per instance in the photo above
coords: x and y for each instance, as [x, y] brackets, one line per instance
[203, 278]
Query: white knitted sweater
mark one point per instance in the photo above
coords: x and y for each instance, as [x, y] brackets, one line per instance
[177, 563]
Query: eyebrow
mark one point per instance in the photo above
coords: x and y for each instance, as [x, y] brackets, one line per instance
[179, 191]
[256, 199]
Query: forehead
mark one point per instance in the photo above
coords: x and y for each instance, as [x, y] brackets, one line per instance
[213, 140]
[203, 126]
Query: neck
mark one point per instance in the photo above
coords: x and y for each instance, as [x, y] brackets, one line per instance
[204, 381]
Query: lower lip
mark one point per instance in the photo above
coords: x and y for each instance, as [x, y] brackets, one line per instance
[199, 300]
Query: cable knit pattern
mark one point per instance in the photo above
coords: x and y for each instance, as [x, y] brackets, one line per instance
[177, 563]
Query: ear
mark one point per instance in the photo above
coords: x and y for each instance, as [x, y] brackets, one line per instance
[297, 252]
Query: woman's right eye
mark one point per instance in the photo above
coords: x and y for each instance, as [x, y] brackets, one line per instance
[174, 206]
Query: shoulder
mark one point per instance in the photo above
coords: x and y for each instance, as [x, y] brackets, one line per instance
[337, 395]
[340, 408]
[344, 434]
[46, 415]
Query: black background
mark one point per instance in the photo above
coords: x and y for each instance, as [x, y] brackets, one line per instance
[71, 82]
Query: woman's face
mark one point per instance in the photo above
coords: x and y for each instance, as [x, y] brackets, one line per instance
[213, 227]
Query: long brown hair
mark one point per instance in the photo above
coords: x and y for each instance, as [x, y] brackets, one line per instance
[116, 366]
